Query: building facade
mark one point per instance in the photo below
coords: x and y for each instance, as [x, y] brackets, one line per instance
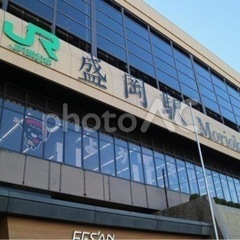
[94, 112]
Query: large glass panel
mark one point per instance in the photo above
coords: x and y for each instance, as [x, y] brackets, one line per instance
[159, 43]
[11, 130]
[73, 27]
[141, 64]
[136, 163]
[202, 71]
[225, 187]
[210, 183]
[160, 169]
[159, 54]
[232, 189]
[138, 40]
[54, 144]
[184, 69]
[149, 167]
[237, 186]
[90, 151]
[111, 47]
[110, 34]
[192, 178]
[182, 57]
[166, 68]
[139, 52]
[73, 146]
[168, 80]
[217, 185]
[40, 8]
[122, 159]
[172, 173]
[107, 162]
[135, 27]
[182, 174]
[201, 182]
[211, 104]
[109, 10]
[189, 92]
[34, 132]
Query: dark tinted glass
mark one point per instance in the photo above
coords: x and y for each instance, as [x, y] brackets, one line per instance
[40, 8]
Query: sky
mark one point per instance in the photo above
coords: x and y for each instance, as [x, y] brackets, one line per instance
[213, 23]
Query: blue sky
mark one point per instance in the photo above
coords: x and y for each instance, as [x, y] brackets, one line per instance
[213, 23]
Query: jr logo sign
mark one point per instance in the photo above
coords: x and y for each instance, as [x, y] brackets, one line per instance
[49, 42]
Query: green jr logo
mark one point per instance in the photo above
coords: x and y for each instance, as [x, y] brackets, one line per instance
[49, 42]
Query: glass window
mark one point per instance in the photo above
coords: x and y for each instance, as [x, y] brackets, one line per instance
[211, 104]
[138, 40]
[73, 146]
[201, 182]
[90, 152]
[217, 185]
[206, 92]
[107, 154]
[168, 80]
[136, 163]
[37, 6]
[189, 92]
[186, 70]
[149, 167]
[227, 114]
[111, 47]
[110, 34]
[160, 55]
[182, 58]
[109, 10]
[54, 144]
[218, 82]
[226, 192]
[233, 92]
[73, 27]
[237, 186]
[210, 183]
[221, 93]
[202, 71]
[159, 43]
[122, 159]
[182, 174]
[192, 178]
[35, 132]
[224, 103]
[160, 169]
[187, 81]
[204, 82]
[109, 22]
[11, 130]
[172, 173]
[135, 27]
[141, 64]
[166, 68]
[14, 105]
[232, 189]
[139, 52]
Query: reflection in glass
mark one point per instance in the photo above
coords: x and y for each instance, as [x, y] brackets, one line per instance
[107, 154]
[136, 163]
[73, 146]
[160, 166]
[11, 130]
[54, 144]
[192, 178]
[122, 159]
[90, 153]
[201, 182]
[172, 173]
[182, 174]
[225, 187]
[149, 167]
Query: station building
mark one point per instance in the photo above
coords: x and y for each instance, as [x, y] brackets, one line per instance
[96, 134]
